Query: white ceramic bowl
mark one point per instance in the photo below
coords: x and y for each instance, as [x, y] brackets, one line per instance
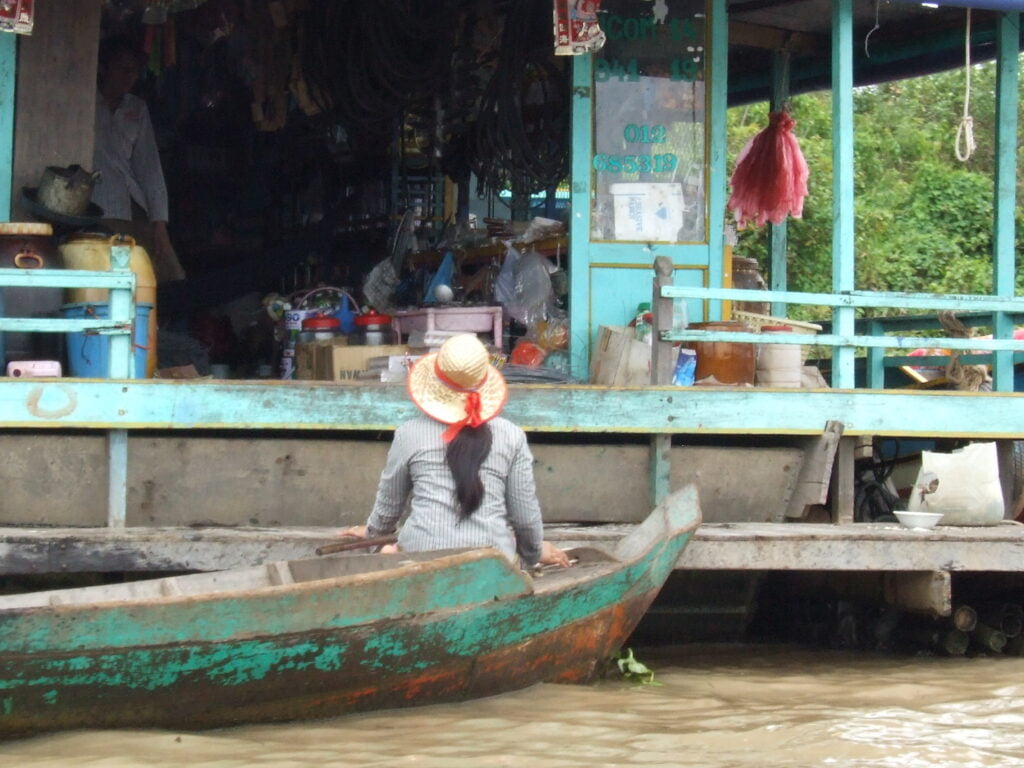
[919, 520]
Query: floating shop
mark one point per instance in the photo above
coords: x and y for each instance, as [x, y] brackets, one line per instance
[350, 181]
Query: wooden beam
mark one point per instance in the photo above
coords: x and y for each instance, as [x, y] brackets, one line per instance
[1011, 476]
[661, 311]
[315, 406]
[920, 591]
[728, 547]
[843, 494]
[774, 39]
[815, 473]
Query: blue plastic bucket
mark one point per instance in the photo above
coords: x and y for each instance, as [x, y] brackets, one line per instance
[89, 353]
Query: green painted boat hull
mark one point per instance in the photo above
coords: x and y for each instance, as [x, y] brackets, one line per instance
[459, 626]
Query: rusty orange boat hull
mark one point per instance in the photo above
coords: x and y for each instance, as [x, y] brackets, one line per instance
[325, 637]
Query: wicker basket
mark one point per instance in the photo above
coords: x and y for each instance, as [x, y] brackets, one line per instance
[757, 322]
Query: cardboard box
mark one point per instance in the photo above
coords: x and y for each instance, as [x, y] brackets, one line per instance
[336, 361]
[305, 360]
[619, 359]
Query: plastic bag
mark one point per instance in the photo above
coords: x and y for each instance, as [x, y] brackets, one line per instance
[532, 291]
[527, 353]
[444, 276]
[770, 180]
[553, 334]
[505, 283]
[968, 490]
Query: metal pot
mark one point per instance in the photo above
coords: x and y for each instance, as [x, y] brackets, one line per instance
[67, 190]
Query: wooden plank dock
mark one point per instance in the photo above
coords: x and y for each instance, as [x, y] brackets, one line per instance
[879, 547]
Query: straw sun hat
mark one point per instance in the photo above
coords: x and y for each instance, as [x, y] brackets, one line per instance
[457, 385]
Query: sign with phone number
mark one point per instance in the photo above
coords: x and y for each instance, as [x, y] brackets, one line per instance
[680, 70]
[665, 163]
[643, 163]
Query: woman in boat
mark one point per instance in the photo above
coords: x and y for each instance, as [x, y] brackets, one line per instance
[469, 471]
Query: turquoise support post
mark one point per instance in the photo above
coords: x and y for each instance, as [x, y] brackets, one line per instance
[660, 467]
[842, 184]
[117, 478]
[779, 232]
[8, 72]
[717, 148]
[1004, 231]
[122, 313]
[876, 357]
[579, 228]
[122, 366]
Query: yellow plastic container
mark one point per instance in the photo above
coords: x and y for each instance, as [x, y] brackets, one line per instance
[92, 251]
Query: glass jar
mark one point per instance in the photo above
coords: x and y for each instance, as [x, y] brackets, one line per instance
[323, 328]
[729, 362]
[374, 329]
[746, 274]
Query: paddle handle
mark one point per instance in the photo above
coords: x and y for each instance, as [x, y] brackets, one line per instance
[355, 543]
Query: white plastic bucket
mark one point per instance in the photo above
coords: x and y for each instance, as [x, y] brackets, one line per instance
[779, 365]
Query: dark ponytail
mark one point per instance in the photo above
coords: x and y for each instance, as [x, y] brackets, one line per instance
[465, 455]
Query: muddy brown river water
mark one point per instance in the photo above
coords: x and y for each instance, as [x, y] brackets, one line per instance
[748, 705]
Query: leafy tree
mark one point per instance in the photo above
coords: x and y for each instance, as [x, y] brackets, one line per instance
[923, 219]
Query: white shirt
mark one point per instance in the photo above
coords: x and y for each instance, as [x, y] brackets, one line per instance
[126, 155]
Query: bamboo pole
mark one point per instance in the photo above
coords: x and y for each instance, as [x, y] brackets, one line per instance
[964, 618]
[934, 637]
[1008, 618]
[989, 638]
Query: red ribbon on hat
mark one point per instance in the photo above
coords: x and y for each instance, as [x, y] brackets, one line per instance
[473, 404]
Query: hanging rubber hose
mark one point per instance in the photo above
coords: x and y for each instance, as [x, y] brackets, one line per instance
[522, 133]
[369, 61]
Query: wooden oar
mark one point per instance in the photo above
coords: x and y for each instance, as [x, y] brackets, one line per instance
[354, 542]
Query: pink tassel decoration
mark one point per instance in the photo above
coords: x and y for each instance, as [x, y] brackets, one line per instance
[770, 180]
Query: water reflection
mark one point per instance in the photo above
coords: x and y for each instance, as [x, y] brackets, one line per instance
[714, 706]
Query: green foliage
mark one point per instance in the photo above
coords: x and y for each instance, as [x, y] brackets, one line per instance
[634, 670]
[923, 219]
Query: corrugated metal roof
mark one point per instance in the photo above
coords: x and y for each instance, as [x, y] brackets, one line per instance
[893, 40]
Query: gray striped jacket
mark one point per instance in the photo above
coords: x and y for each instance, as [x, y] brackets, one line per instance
[508, 518]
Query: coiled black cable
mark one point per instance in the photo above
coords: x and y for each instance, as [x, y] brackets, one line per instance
[521, 139]
[369, 62]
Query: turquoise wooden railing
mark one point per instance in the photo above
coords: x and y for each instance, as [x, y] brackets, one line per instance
[875, 341]
[120, 281]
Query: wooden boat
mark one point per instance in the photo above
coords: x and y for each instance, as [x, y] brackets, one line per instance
[325, 636]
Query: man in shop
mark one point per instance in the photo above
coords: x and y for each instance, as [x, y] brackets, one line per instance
[131, 189]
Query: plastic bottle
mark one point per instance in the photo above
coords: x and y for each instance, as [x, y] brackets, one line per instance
[643, 322]
[680, 316]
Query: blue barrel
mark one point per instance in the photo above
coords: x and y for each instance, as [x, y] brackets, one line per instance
[89, 353]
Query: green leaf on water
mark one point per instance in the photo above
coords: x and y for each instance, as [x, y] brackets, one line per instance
[633, 669]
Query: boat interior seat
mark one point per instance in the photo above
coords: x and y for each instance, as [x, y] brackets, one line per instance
[278, 574]
[588, 562]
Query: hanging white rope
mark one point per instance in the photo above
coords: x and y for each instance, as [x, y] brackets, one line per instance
[965, 132]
